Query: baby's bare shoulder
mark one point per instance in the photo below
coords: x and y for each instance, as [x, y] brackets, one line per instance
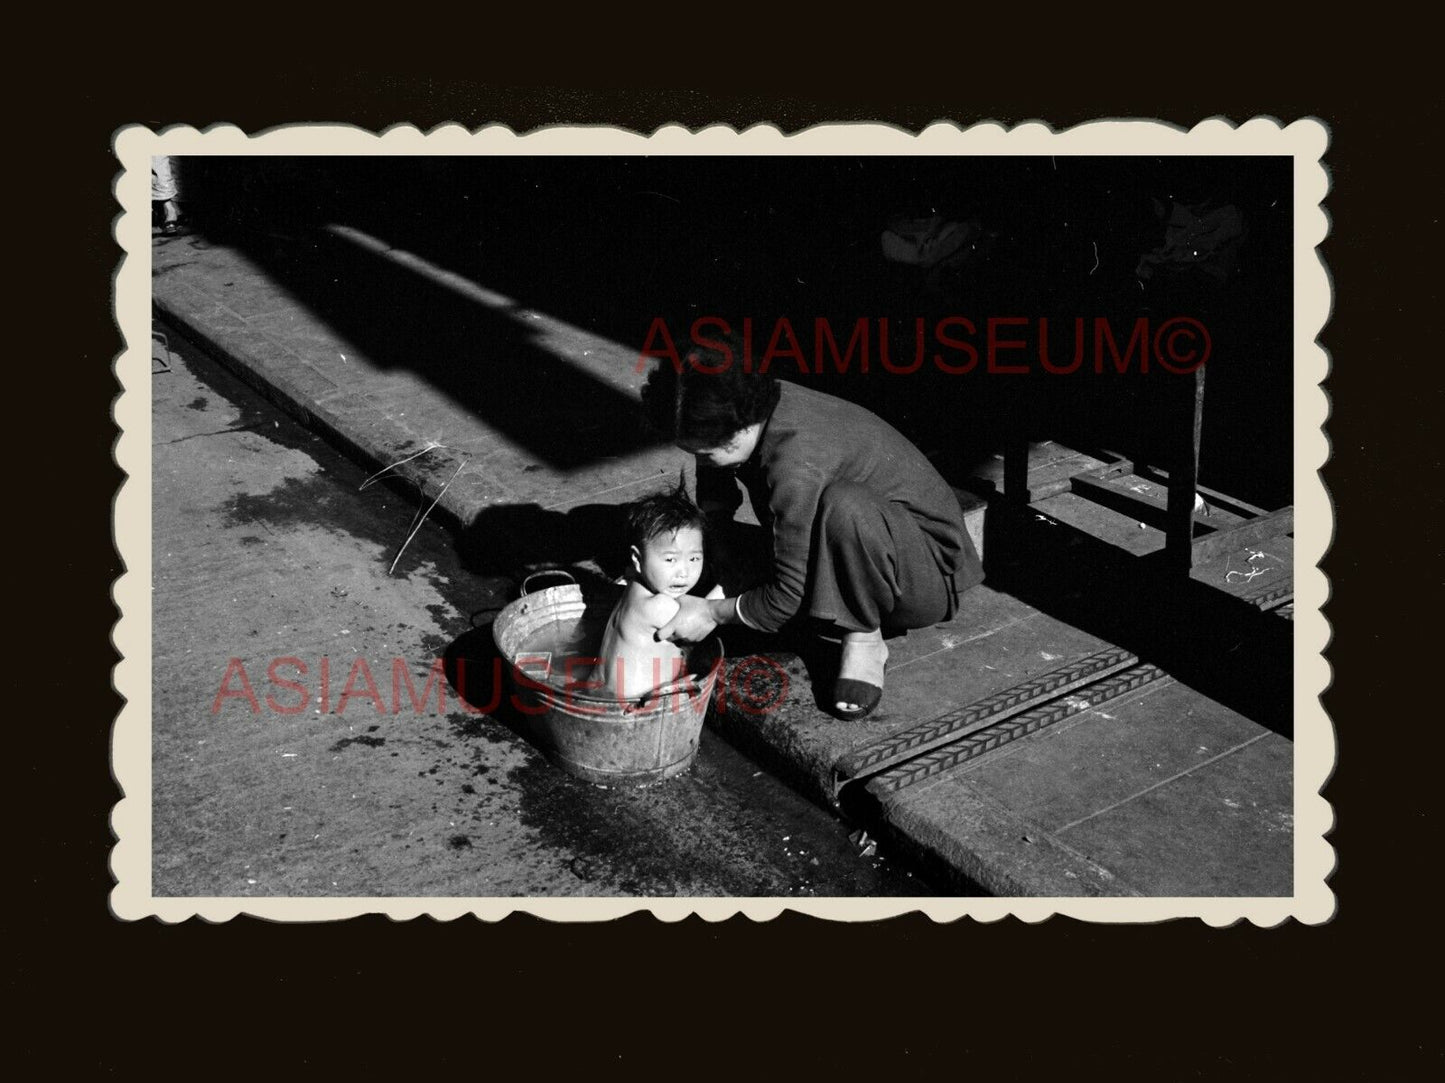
[659, 609]
[647, 611]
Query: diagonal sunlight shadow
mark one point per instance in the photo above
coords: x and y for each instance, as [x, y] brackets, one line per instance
[606, 361]
[558, 394]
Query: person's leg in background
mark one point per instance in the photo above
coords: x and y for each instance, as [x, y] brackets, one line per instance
[166, 190]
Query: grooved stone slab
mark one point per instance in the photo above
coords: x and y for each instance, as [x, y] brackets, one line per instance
[1000, 734]
[997, 642]
[958, 723]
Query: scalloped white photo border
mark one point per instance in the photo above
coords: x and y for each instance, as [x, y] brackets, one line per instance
[1304, 140]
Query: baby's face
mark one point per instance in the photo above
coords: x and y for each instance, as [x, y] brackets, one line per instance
[671, 562]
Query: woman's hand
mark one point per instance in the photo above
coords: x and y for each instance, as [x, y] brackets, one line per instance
[695, 619]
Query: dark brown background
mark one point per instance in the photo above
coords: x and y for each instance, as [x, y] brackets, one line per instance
[1173, 1002]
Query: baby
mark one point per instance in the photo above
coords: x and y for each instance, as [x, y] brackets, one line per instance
[666, 531]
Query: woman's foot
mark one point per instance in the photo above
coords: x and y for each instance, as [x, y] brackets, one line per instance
[860, 674]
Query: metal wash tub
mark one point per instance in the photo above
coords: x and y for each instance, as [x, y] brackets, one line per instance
[586, 732]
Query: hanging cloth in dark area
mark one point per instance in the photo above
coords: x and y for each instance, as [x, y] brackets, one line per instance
[1196, 238]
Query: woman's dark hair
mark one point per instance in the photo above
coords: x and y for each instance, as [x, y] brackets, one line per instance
[708, 396]
[662, 513]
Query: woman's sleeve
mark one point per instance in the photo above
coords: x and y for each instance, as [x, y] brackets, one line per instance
[793, 500]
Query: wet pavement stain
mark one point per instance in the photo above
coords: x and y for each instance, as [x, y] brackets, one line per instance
[472, 727]
[332, 498]
[703, 826]
[214, 432]
[369, 742]
[615, 830]
[308, 502]
[441, 614]
[198, 403]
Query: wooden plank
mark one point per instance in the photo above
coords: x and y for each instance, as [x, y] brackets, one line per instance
[1104, 524]
[1055, 476]
[1145, 507]
[1250, 532]
[1273, 598]
[1050, 468]
[1216, 499]
[1250, 571]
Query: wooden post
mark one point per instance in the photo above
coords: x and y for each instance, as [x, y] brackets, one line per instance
[1184, 479]
[1016, 462]
[1016, 445]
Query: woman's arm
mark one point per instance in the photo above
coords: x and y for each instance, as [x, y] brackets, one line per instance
[794, 491]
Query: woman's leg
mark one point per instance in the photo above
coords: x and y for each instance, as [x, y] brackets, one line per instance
[872, 567]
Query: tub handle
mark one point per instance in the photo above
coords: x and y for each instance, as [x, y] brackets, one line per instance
[548, 571]
[683, 685]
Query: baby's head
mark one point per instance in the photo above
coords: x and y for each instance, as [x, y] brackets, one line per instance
[666, 531]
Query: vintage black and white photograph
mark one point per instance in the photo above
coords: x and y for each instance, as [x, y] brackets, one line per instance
[854, 523]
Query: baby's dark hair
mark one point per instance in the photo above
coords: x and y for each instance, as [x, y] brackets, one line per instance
[709, 396]
[662, 513]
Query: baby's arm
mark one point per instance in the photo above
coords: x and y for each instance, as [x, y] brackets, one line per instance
[716, 592]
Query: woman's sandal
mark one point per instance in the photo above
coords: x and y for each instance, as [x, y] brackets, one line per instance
[848, 690]
[852, 690]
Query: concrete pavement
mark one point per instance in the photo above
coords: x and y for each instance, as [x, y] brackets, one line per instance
[290, 757]
[993, 761]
